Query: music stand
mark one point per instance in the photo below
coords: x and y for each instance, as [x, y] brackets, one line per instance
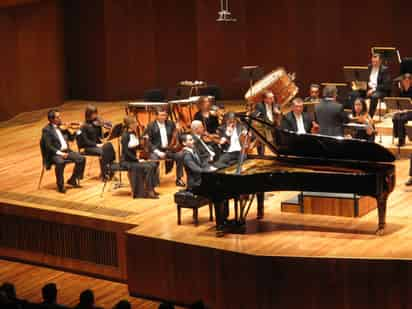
[400, 105]
[387, 53]
[357, 74]
[116, 133]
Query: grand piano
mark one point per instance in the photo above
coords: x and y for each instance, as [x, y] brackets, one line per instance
[301, 162]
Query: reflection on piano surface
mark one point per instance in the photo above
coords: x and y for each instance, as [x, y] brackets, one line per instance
[303, 162]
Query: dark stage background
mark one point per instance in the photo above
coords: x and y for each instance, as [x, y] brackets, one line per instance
[115, 49]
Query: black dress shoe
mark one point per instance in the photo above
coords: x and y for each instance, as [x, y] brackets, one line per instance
[73, 182]
[61, 190]
[151, 195]
[180, 183]
[409, 182]
[156, 193]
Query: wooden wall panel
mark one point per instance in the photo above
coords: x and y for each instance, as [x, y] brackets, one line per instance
[32, 61]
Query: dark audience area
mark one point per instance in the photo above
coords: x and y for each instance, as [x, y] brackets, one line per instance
[49, 292]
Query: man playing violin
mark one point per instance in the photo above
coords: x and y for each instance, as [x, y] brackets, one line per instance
[163, 141]
[55, 150]
[204, 150]
[91, 135]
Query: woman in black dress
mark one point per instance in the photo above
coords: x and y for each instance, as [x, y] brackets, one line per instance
[142, 174]
[360, 115]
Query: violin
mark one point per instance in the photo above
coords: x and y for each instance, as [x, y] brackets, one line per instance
[211, 138]
[99, 122]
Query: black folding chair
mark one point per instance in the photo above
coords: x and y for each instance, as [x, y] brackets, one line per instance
[111, 167]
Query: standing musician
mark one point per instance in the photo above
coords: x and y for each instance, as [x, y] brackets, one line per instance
[269, 111]
[297, 120]
[400, 119]
[142, 174]
[379, 85]
[209, 119]
[162, 139]
[193, 162]
[91, 136]
[230, 140]
[55, 150]
[329, 114]
[205, 149]
[360, 115]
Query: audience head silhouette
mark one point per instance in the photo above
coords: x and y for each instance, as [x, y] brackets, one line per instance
[123, 304]
[49, 293]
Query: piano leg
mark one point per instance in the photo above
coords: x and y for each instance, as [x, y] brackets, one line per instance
[381, 200]
[221, 213]
[260, 205]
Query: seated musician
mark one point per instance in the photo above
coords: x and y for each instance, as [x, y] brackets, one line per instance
[400, 119]
[91, 135]
[329, 114]
[314, 93]
[269, 111]
[56, 150]
[204, 149]
[379, 85]
[360, 115]
[230, 140]
[193, 162]
[209, 119]
[297, 120]
[142, 174]
[162, 134]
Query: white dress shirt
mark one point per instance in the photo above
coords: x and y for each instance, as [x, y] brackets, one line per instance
[211, 153]
[62, 141]
[373, 78]
[163, 134]
[133, 141]
[299, 123]
[269, 111]
[234, 142]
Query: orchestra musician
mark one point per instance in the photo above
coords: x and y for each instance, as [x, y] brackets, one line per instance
[379, 85]
[230, 140]
[91, 135]
[297, 120]
[209, 119]
[193, 162]
[400, 119]
[56, 150]
[162, 138]
[314, 93]
[204, 149]
[360, 115]
[329, 114]
[142, 174]
[269, 111]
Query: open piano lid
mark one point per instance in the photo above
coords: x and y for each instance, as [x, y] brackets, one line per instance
[286, 143]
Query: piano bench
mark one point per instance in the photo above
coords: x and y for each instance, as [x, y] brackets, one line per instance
[186, 199]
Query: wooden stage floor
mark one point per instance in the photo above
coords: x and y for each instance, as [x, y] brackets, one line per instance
[83, 212]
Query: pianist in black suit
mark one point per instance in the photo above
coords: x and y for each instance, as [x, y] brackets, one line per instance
[193, 162]
[161, 133]
[379, 85]
[56, 150]
[329, 114]
[297, 120]
[400, 119]
[206, 116]
[230, 140]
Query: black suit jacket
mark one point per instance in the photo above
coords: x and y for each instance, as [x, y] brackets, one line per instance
[193, 167]
[261, 113]
[330, 116]
[153, 132]
[289, 122]
[50, 143]
[210, 123]
[201, 150]
[90, 136]
[128, 154]
[384, 80]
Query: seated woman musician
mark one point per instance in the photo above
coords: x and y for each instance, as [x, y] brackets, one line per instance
[142, 174]
[209, 118]
[90, 137]
[360, 115]
[401, 118]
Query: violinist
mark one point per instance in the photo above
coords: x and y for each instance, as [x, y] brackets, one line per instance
[91, 135]
[230, 140]
[163, 142]
[208, 117]
[142, 174]
[401, 118]
[360, 115]
[56, 150]
[204, 150]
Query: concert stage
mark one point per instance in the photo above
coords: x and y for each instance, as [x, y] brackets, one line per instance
[285, 260]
